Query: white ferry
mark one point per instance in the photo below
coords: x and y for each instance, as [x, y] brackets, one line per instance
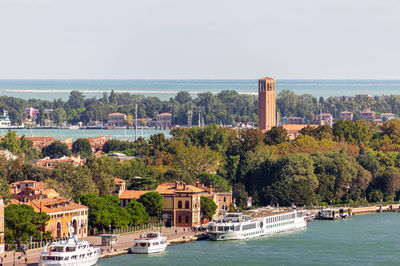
[70, 253]
[236, 226]
[5, 122]
[151, 242]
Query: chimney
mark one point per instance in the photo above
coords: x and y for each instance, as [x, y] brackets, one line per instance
[197, 184]
[211, 189]
[176, 184]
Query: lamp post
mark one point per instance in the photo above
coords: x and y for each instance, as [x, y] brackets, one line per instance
[110, 238]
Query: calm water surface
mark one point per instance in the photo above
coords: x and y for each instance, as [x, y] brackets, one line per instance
[165, 89]
[62, 134]
[371, 239]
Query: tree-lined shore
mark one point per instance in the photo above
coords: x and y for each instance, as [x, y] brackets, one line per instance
[227, 107]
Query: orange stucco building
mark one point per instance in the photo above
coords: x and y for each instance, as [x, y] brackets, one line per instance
[62, 212]
[266, 104]
[181, 204]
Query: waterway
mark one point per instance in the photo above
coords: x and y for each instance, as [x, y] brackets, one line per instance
[165, 89]
[371, 239]
[122, 134]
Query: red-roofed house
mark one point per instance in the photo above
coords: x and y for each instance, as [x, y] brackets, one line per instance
[129, 195]
[52, 163]
[222, 199]
[325, 119]
[116, 120]
[27, 190]
[367, 114]
[181, 204]
[62, 212]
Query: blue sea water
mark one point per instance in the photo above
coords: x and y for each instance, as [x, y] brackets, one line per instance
[361, 240]
[165, 89]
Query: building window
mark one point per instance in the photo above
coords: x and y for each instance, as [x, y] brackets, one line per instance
[186, 219]
[187, 204]
[224, 199]
[179, 219]
[179, 205]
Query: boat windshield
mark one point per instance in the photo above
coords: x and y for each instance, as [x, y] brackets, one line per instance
[57, 249]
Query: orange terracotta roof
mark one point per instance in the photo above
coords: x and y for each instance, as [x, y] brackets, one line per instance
[14, 201]
[324, 114]
[118, 180]
[47, 138]
[266, 78]
[164, 114]
[297, 127]
[133, 194]
[170, 188]
[116, 114]
[55, 205]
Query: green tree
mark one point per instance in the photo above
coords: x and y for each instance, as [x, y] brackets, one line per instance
[138, 213]
[392, 180]
[56, 150]
[207, 207]
[21, 222]
[216, 181]
[5, 190]
[11, 143]
[82, 146]
[275, 135]
[102, 173]
[153, 202]
[41, 116]
[71, 181]
[60, 116]
[76, 99]
[112, 99]
[239, 194]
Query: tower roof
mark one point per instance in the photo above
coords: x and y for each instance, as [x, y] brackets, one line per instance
[266, 78]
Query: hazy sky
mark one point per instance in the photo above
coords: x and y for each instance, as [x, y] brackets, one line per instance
[284, 39]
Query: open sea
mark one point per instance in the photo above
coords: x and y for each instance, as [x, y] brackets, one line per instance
[371, 239]
[165, 89]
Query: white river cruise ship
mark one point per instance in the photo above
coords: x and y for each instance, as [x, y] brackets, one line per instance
[236, 226]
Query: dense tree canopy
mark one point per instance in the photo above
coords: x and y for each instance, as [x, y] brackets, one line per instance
[82, 146]
[56, 150]
[207, 207]
[153, 202]
[22, 222]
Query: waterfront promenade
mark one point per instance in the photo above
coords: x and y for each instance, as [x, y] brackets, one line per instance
[124, 242]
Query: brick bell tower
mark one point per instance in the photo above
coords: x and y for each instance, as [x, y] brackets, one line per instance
[266, 104]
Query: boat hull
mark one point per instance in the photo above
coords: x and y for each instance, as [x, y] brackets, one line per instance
[83, 262]
[148, 250]
[240, 235]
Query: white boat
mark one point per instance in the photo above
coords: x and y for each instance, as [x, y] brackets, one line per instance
[235, 226]
[71, 252]
[5, 122]
[150, 242]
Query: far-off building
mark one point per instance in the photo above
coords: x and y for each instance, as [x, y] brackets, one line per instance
[266, 104]
[116, 120]
[346, 115]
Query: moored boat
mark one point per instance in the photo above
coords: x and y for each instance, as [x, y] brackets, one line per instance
[150, 242]
[235, 226]
[71, 252]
